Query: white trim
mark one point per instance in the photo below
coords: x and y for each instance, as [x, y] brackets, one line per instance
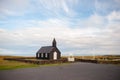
[38, 55]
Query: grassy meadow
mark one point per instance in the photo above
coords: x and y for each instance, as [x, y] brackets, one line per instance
[102, 59]
[6, 65]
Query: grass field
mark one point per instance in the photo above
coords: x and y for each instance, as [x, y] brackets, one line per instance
[7, 65]
[102, 59]
[4, 64]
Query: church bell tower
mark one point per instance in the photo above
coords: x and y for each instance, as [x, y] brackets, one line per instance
[54, 43]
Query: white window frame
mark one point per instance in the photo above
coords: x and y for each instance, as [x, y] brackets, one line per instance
[46, 55]
[42, 55]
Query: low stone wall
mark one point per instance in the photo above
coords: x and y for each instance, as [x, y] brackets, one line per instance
[39, 62]
[98, 61]
[63, 60]
[109, 62]
[86, 60]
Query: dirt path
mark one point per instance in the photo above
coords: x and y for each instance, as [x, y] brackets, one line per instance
[75, 71]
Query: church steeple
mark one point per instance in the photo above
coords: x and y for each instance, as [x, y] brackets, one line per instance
[54, 43]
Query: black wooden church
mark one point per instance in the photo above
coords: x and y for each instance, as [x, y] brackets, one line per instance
[49, 52]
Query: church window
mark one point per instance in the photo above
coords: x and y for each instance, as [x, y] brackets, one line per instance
[41, 54]
[46, 55]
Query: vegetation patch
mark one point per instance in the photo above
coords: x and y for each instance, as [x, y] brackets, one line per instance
[105, 59]
[23, 62]
[6, 65]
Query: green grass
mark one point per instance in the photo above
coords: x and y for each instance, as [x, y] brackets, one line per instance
[16, 65]
[8, 65]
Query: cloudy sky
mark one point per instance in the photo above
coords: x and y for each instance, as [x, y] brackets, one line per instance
[81, 27]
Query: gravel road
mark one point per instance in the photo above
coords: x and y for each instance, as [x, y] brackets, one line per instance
[74, 71]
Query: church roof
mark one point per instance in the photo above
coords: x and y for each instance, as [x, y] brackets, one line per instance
[45, 49]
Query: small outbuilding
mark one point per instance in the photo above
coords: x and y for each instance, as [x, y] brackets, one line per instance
[49, 52]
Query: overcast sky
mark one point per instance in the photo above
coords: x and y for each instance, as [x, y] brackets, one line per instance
[81, 27]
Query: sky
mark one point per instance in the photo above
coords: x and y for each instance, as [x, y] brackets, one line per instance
[80, 27]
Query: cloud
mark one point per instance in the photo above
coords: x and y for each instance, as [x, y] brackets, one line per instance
[104, 7]
[6, 52]
[43, 7]
[55, 8]
[78, 26]
[87, 40]
[14, 7]
[58, 8]
[114, 16]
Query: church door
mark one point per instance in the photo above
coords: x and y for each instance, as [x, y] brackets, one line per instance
[55, 55]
